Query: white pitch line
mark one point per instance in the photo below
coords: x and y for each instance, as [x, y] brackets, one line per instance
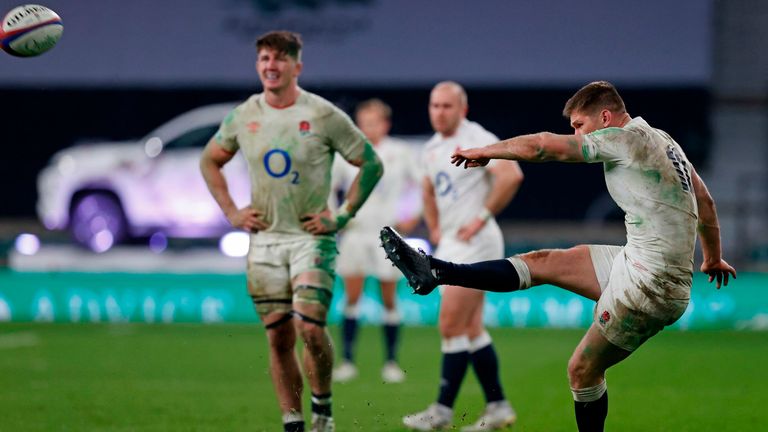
[18, 340]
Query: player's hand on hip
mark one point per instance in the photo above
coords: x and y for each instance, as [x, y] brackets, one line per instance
[319, 223]
[248, 219]
[719, 271]
[470, 158]
[468, 230]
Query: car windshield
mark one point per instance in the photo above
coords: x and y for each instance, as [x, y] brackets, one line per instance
[196, 138]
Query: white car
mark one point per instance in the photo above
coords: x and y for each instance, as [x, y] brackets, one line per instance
[105, 193]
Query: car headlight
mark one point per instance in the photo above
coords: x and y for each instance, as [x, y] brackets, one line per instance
[66, 165]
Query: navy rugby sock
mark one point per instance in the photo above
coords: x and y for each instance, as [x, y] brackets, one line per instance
[391, 332]
[590, 416]
[497, 275]
[391, 327]
[296, 426]
[591, 407]
[348, 337]
[293, 421]
[454, 367]
[321, 404]
[486, 366]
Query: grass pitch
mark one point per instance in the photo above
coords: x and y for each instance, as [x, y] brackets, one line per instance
[86, 377]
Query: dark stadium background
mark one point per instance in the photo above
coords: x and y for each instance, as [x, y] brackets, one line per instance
[46, 120]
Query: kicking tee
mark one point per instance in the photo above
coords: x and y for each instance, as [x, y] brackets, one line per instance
[649, 177]
[290, 153]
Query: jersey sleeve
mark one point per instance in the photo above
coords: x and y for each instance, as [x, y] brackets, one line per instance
[226, 136]
[607, 145]
[344, 136]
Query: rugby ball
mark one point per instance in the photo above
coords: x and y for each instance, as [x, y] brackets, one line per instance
[30, 30]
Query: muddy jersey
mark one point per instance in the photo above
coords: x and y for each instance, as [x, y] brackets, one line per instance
[289, 152]
[460, 193]
[649, 177]
[383, 206]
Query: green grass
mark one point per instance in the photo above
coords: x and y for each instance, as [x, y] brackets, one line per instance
[86, 377]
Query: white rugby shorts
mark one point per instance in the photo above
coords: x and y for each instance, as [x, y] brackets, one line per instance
[486, 245]
[630, 310]
[361, 254]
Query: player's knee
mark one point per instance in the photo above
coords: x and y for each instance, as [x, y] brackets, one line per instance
[352, 298]
[538, 256]
[312, 334]
[389, 304]
[282, 339]
[451, 328]
[581, 373]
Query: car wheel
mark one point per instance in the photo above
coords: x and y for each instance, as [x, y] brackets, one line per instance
[97, 221]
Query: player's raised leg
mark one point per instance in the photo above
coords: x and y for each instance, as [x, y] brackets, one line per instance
[571, 269]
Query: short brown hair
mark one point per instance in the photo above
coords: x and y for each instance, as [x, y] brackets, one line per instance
[376, 104]
[595, 96]
[282, 41]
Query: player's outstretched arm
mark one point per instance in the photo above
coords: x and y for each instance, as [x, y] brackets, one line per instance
[709, 232]
[540, 147]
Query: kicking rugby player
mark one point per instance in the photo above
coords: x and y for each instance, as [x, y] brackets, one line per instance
[639, 288]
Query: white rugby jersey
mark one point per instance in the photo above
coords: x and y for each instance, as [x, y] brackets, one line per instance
[383, 205]
[290, 152]
[649, 177]
[460, 193]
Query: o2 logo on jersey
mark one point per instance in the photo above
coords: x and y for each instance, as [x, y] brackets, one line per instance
[443, 184]
[681, 167]
[273, 167]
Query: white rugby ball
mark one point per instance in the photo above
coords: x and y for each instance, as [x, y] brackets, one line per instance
[30, 30]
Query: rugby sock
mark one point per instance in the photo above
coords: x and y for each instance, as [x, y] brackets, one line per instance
[391, 333]
[455, 362]
[293, 422]
[504, 275]
[349, 332]
[321, 404]
[591, 407]
[486, 366]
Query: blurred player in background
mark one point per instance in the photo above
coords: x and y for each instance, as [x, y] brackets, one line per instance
[459, 209]
[641, 287]
[359, 251]
[288, 137]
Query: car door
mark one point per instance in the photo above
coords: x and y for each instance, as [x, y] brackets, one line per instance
[180, 194]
